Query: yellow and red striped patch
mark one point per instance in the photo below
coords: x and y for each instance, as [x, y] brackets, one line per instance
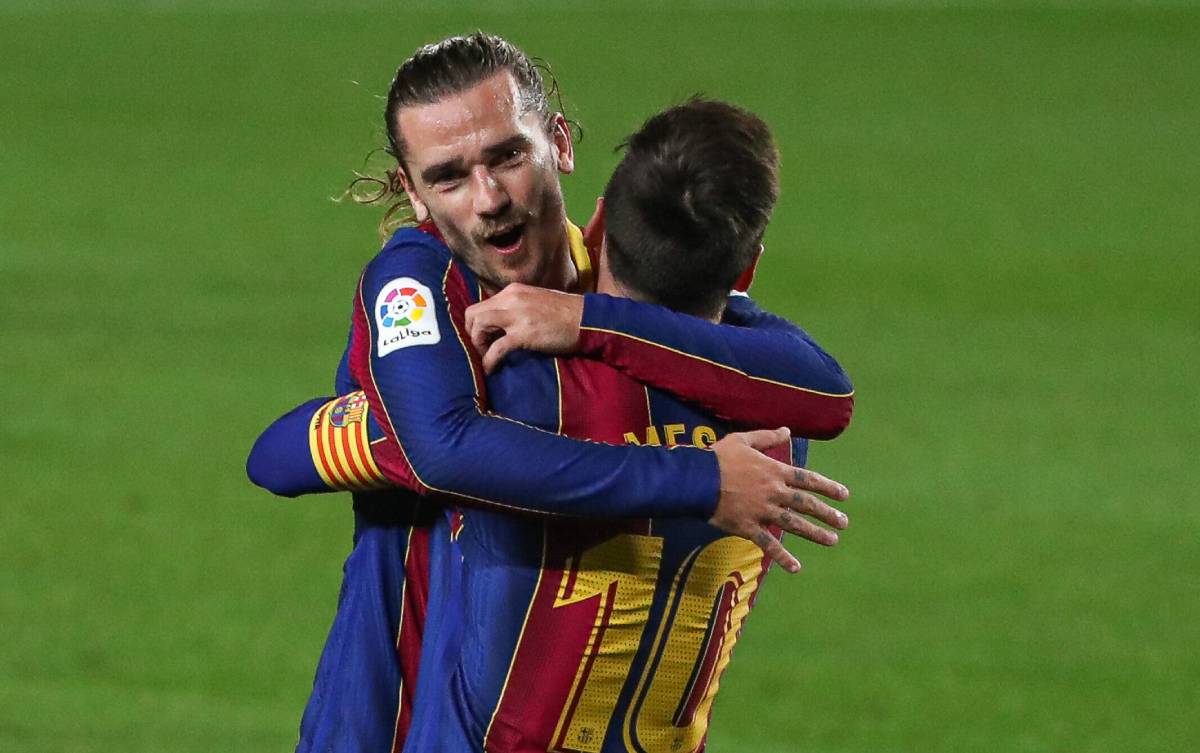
[341, 450]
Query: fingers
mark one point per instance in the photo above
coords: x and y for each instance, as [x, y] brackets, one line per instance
[496, 352]
[793, 523]
[480, 338]
[801, 478]
[763, 439]
[474, 312]
[807, 504]
[485, 324]
[774, 549]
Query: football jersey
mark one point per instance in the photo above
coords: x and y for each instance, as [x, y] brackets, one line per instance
[591, 635]
[408, 351]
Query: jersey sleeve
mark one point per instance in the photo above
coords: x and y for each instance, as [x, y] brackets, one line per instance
[763, 372]
[322, 445]
[343, 382]
[427, 390]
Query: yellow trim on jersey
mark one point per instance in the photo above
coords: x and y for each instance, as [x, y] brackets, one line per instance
[559, 395]
[581, 259]
[399, 628]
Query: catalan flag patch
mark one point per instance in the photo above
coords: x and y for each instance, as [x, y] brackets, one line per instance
[341, 450]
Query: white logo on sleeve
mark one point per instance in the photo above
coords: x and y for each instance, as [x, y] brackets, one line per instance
[405, 316]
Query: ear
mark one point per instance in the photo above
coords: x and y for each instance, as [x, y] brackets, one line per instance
[419, 208]
[743, 283]
[560, 142]
[593, 234]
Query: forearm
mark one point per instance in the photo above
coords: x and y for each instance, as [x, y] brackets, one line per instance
[485, 459]
[322, 445]
[766, 373]
[426, 389]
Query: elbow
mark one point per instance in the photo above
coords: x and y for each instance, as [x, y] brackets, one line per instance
[824, 421]
[839, 417]
[445, 460]
[265, 469]
[436, 472]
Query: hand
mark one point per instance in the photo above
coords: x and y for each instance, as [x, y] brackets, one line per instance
[758, 492]
[522, 317]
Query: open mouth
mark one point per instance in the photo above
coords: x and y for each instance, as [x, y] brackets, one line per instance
[509, 241]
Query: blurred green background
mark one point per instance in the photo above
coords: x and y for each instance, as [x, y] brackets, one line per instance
[990, 214]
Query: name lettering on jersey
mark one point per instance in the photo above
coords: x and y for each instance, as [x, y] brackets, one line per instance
[404, 316]
[674, 434]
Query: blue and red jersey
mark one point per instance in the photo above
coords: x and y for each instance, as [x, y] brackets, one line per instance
[591, 635]
[408, 351]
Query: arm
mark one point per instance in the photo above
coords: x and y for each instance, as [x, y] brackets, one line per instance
[766, 373]
[322, 445]
[435, 392]
[427, 395]
[329, 444]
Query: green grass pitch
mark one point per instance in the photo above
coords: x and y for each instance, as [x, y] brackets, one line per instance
[990, 214]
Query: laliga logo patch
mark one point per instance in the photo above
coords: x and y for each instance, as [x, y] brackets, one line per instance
[403, 316]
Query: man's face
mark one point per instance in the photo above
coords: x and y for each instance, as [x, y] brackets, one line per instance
[487, 175]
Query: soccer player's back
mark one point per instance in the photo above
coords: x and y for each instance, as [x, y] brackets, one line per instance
[612, 635]
[594, 635]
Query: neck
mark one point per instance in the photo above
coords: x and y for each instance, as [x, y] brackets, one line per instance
[609, 285]
[561, 273]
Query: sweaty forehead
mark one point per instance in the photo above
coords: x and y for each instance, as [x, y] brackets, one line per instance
[462, 124]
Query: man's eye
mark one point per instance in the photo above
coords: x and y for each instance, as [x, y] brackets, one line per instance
[447, 184]
[511, 157]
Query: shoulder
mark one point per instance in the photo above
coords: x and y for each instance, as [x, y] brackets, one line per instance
[410, 252]
[420, 254]
[417, 263]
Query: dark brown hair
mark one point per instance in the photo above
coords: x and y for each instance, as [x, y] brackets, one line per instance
[686, 208]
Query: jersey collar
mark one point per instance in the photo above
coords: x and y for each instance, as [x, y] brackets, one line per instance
[581, 257]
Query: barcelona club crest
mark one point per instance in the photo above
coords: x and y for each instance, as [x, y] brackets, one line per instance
[348, 410]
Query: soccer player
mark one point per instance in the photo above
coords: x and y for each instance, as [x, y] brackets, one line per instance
[579, 637]
[479, 152]
[613, 636]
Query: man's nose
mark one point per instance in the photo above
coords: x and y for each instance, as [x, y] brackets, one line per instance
[488, 195]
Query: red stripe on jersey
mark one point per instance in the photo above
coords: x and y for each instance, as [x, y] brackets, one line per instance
[598, 402]
[554, 642]
[814, 414]
[428, 227]
[388, 455]
[413, 608]
[458, 298]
